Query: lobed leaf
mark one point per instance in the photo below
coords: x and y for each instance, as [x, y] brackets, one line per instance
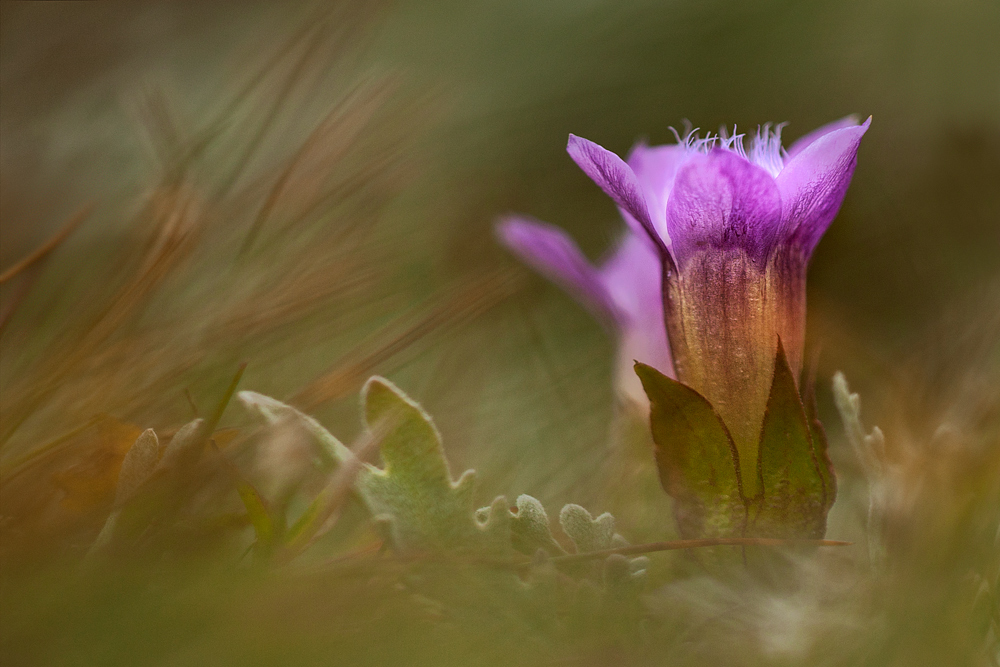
[587, 533]
[426, 509]
[417, 504]
[529, 530]
[870, 450]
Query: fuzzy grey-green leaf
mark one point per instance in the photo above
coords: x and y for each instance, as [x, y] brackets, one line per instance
[413, 499]
[587, 533]
[138, 464]
[530, 528]
[427, 510]
[184, 449]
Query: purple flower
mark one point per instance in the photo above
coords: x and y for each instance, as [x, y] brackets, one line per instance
[624, 293]
[734, 230]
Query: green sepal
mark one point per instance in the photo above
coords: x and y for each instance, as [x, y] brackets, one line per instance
[793, 500]
[697, 459]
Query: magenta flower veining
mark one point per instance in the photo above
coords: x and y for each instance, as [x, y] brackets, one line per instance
[732, 230]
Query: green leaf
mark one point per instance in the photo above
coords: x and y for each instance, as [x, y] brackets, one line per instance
[793, 498]
[529, 530]
[139, 462]
[264, 526]
[414, 499]
[587, 533]
[869, 448]
[329, 450]
[306, 526]
[697, 459]
[137, 467]
[622, 577]
[425, 507]
[185, 448]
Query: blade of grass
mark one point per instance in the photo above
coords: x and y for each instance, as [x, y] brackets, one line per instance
[322, 513]
[49, 245]
[213, 421]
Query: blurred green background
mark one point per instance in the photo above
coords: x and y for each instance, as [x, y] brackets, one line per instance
[490, 92]
[904, 290]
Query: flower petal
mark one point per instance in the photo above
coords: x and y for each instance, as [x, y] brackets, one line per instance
[655, 168]
[632, 275]
[814, 182]
[633, 278]
[551, 252]
[722, 200]
[616, 179]
[802, 142]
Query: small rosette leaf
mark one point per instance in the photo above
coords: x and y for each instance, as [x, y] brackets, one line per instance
[587, 533]
[529, 529]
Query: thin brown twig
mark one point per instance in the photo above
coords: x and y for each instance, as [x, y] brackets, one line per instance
[213, 421]
[634, 549]
[49, 245]
[674, 545]
[20, 292]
